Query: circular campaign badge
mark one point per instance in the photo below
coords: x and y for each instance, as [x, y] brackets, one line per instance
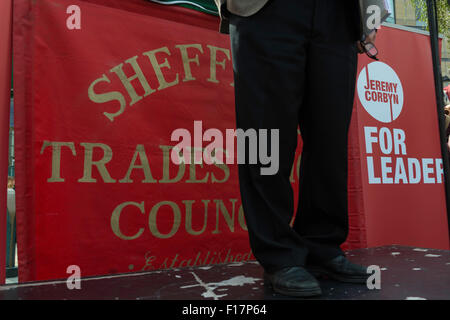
[380, 91]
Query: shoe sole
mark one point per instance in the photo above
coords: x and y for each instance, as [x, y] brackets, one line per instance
[305, 293]
[320, 272]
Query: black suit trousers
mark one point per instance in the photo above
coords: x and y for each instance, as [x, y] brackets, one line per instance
[295, 66]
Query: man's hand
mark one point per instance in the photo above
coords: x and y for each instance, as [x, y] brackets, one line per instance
[369, 39]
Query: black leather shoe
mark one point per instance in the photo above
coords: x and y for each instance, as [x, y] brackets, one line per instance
[340, 269]
[293, 281]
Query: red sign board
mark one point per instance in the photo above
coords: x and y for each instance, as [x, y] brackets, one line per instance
[401, 161]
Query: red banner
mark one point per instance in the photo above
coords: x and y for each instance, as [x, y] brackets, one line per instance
[101, 85]
[401, 161]
[5, 92]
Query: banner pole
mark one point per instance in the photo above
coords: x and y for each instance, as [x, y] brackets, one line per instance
[434, 41]
[5, 99]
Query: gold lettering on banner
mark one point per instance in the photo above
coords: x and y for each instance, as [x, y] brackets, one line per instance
[140, 151]
[241, 218]
[126, 81]
[115, 220]
[153, 215]
[163, 84]
[226, 171]
[166, 167]
[187, 61]
[170, 172]
[214, 63]
[56, 158]
[229, 219]
[172, 218]
[189, 229]
[200, 258]
[193, 175]
[160, 66]
[100, 164]
[107, 97]
[193, 170]
[184, 263]
[149, 259]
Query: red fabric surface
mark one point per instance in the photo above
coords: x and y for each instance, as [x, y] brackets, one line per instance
[65, 209]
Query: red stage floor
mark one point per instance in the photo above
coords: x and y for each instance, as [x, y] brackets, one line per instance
[406, 273]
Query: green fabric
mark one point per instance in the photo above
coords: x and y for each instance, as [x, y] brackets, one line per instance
[206, 6]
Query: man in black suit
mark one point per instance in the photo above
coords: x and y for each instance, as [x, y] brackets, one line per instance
[295, 65]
